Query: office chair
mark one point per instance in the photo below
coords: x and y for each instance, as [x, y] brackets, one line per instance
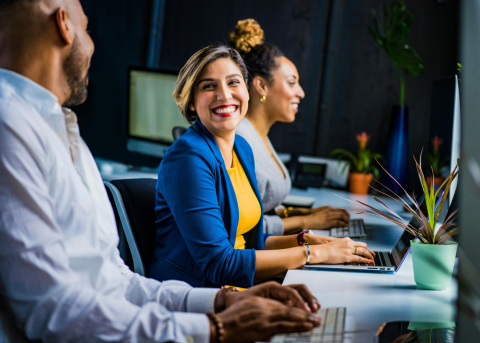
[177, 131]
[134, 203]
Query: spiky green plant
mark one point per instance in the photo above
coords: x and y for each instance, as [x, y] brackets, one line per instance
[396, 28]
[426, 233]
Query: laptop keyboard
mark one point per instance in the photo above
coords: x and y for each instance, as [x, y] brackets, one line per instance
[383, 259]
[356, 229]
[380, 259]
[331, 330]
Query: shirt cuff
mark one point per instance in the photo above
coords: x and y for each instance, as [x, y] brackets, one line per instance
[273, 225]
[191, 327]
[201, 300]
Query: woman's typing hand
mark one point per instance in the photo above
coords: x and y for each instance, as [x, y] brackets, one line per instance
[340, 251]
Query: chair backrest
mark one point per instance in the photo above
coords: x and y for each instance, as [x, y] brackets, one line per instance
[123, 246]
[136, 210]
[177, 131]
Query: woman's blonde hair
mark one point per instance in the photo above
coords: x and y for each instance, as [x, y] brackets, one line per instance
[187, 78]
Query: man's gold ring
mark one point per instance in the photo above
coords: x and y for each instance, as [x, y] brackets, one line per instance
[356, 251]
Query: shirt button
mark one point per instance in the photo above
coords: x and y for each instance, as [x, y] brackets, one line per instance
[190, 339]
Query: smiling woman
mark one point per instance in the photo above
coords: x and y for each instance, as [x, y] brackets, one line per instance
[208, 207]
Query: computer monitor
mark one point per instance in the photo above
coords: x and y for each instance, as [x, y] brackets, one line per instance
[152, 111]
[445, 121]
[455, 155]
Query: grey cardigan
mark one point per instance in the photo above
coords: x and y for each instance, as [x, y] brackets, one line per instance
[272, 185]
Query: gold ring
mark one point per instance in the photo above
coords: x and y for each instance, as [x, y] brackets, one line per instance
[356, 251]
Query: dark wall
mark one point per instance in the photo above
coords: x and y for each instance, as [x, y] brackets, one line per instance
[119, 29]
[352, 89]
[365, 85]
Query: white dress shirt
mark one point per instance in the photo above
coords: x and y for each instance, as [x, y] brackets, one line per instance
[61, 275]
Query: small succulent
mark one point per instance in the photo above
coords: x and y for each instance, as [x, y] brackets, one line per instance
[362, 161]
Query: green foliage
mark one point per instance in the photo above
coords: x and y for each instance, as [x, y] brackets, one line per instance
[426, 233]
[396, 29]
[362, 161]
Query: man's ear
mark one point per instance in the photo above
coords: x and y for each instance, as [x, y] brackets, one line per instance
[64, 25]
[260, 85]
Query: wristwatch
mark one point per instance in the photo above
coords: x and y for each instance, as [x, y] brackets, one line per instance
[301, 237]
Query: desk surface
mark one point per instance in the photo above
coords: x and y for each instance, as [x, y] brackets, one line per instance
[373, 298]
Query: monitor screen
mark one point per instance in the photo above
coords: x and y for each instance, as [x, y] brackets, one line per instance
[445, 124]
[152, 111]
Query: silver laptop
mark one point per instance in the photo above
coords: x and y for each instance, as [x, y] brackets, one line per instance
[384, 261]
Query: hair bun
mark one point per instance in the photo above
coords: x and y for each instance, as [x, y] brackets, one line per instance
[247, 35]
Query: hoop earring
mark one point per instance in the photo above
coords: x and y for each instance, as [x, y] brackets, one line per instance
[263, 98]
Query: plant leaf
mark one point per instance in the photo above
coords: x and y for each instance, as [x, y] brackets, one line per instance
[447, 236]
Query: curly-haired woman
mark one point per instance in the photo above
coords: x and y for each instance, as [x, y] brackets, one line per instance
[275, 94]
[209, 211]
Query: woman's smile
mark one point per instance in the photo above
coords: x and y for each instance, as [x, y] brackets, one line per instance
[225, 110]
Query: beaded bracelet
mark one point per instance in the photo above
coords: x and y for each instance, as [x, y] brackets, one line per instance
[218, 326]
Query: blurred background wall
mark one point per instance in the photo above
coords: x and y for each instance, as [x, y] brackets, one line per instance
[350, 83]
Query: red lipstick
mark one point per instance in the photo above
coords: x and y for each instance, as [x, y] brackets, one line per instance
[225, 110]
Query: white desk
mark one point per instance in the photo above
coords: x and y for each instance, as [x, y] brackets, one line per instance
[373, 298]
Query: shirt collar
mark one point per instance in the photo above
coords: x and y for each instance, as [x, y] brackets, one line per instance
[44, 101]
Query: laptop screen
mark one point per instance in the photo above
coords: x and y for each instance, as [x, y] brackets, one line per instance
[402, 247]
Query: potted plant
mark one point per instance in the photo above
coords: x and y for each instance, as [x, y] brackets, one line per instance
[436, 161]
[433, 254]
[392, 37]
[359, 178]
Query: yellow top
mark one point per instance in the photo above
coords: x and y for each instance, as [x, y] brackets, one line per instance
[248, 206]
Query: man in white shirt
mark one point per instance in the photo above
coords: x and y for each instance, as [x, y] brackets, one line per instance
[61, 276]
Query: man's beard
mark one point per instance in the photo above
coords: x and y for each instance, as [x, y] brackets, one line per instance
[74, 67]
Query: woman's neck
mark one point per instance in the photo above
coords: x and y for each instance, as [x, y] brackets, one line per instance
[260, 120]
[225, 143]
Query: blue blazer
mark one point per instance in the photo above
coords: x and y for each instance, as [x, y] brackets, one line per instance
[197, 215]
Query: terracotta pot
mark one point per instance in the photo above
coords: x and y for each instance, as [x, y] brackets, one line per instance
[438, 181]
[359, 183]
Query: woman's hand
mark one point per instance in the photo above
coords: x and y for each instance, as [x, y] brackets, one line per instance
[325, 218]
[340, 251]
[257, 319]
